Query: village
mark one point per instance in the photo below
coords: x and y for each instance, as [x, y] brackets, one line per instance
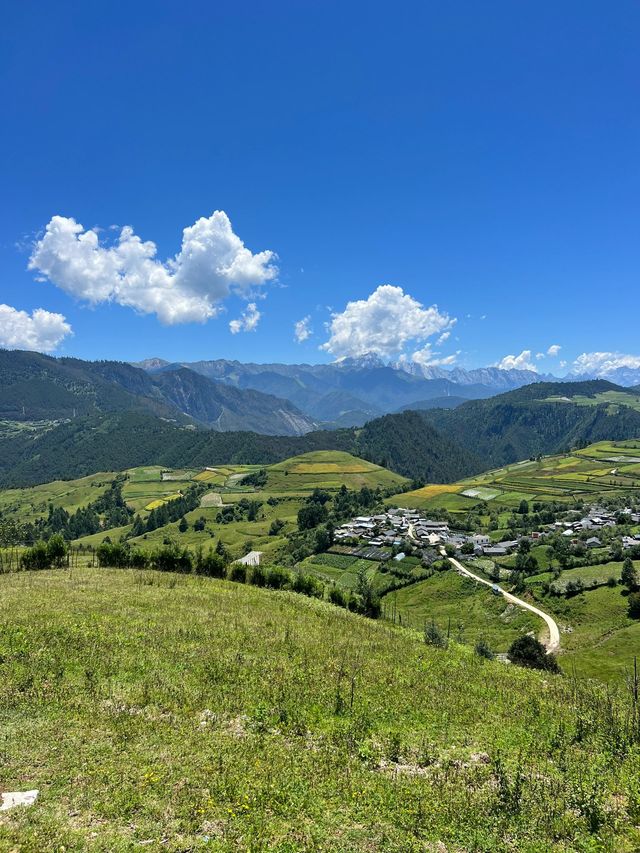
[386, 534]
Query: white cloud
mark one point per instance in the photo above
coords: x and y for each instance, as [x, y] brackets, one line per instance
[302, 329]
[553, 350]
[443, 337]
[604, 363]
[247, 321]
[212, 263]
[41, 331]
[539, 355]
[518, 362]
[427, 358]
[384, 323]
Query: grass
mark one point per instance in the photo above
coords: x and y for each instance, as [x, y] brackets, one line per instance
[474, 611]
[188, 713]
[597, 636]
[32, 503]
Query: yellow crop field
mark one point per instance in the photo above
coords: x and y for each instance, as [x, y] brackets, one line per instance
[329, 468]
[435, 489]
[160, 501]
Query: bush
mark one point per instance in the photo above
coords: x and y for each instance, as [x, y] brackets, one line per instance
[35, 557]
[307, 585]
[238, 573]
[212, 565]
[337, 596]
[258, 576]
[483, 649]
[277, 578]
[633, 605]
[433, 636]
[529, 652]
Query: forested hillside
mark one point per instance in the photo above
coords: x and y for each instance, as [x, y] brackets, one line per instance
[36, 387]
[525, 423]
[403, 443]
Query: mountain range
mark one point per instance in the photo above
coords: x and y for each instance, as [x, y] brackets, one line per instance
[62, 418]
[351, 391]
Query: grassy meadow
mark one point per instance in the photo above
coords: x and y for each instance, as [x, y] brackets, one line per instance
[186, 713]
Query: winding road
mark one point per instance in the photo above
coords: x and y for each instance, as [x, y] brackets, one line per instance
[553, 643]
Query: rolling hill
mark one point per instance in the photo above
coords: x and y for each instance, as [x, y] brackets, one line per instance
[543, 418]
[40, 388]
[295, 726]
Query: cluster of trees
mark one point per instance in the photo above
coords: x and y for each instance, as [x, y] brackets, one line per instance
[167, 558]
[216, 563]
[45, 555]
[257, 479]
[169, 512]
[107, 511]
[243, 510]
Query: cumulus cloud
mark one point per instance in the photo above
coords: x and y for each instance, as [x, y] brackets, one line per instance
[247, 321]
[41, 331]
[383, 323]
[553, 350]
[212, 263]
[427, 358]
[302, 329]
[604, 363]
[524, 361]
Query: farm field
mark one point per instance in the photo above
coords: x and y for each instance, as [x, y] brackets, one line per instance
[614, 399]
[224, 716]
[605, 468]
[329, 470]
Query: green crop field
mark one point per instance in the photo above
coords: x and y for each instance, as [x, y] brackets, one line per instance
[564, 478]
[328, 469]
[183, 713]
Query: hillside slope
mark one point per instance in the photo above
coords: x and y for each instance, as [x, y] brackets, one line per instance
[35, 387]
[114, 442]
[295, 726]
[538, 419]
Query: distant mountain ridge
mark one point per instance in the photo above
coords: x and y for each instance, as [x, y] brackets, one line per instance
[354, 390]
[35, 387]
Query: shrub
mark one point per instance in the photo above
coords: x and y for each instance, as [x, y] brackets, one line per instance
[307, 585]
[277, 578]
[212, 565]
[35, 557]
[433, 636]
[633, 605]
[337, 596]
[238, 573]
[529, 652]
[258, 576]
[483, 649]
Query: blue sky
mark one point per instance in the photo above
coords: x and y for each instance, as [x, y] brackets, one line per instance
[481, 157]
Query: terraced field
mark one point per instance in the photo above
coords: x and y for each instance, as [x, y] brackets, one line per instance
[605, 468]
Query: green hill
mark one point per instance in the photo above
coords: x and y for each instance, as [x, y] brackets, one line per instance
[326, 469]
[542, 418]
[599, 470]
[403, 443]
[180, 713]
